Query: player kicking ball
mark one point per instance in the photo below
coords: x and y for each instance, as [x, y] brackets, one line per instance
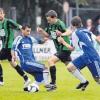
[23, 46]
[89, 58]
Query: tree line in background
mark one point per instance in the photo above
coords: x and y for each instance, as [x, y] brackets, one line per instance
[28, 10]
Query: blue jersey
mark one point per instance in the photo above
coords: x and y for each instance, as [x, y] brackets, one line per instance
[85, 43]
[89, 57]
[23, 45]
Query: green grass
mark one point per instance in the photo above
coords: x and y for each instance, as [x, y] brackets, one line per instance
[13, 87]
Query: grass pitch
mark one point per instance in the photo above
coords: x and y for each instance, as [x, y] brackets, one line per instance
[13, 87]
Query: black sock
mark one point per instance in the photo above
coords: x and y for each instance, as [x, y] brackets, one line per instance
[21, 72]
[1, 74]
[53, 74]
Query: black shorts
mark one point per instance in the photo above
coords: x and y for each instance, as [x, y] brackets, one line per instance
[5, 54]
[64, 56]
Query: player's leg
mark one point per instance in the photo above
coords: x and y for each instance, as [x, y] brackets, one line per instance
[40, 68]
[21, 73]
[1, 75]
[73, 69]
[94, 68]
[46, 76]
[38, 80]
[64, 56]
[17, 68]
[40, 73]
[52, 68]
[2, 57]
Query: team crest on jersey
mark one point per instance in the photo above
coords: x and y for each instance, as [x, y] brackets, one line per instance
[26, 46]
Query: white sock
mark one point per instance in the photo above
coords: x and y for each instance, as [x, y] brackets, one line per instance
[79, 76]
[46, 76]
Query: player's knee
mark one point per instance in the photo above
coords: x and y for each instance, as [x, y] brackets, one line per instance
[50, 62]
[13, 64]
[70, 67]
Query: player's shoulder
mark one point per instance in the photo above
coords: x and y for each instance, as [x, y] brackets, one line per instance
[32, 39]
[81, 31]
[17, 40]
[60, 22]
[9, 20]
[18, 37]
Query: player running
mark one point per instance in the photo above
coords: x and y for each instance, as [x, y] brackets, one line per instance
[89, 58]
[7, 37]
[23, 46]
[55, 26]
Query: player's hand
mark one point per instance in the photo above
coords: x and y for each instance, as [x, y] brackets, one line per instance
[97, 39]
[58, 33]
[39, 30]
[14, 58]
[60, 40]
[0, 45]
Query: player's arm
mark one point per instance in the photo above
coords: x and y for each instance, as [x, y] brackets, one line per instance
[63, 31]
[34, 41]
[68, 32]
[14, 25]
[42, 31]
[61, 40]
[97, 38]
[15, 47]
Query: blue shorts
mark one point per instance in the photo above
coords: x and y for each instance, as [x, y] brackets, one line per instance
[35, 69]
[93, 65]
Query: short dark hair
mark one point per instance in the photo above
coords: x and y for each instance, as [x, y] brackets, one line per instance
[25, 25]
[2, 10]
[76, 21]
[51, 13]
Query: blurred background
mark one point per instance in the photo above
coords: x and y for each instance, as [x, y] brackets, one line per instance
[33, 12]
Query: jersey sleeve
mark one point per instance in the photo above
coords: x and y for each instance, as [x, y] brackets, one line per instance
[47, 30]
[16, 43]
[62, 27]
[34, 41]
[84, 39]
[14, 24]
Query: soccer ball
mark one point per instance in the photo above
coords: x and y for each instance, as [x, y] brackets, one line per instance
[32, 88]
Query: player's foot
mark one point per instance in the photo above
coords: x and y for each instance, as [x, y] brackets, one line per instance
[26, 89]
[32, 88]
[27, 82]
[82, 86]
[1, 83]
[51, 87]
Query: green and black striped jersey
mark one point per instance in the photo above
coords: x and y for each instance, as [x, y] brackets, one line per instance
[7, 32]
[51, 30]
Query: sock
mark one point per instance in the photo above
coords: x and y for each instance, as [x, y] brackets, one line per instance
[21, 72]
[79, 76]
[1, 74]
[46, 76]
[53, 74]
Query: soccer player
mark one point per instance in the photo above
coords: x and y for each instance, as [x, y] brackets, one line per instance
[23, 46]
[52, 30]
[7, 37]
[89, 57]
